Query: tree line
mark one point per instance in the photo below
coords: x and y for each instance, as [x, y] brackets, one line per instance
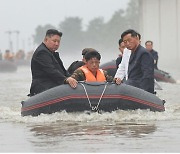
[100, 35]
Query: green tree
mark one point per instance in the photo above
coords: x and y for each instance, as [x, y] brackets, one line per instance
[40, 32]
[94, 32]
[98, 33]
[113, 29]
[72, 33]
[133, 14]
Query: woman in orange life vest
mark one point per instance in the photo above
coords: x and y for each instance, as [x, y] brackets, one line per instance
[90, 72]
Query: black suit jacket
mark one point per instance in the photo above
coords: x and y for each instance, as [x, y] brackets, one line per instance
[118, 61]
[155, 57]
[47, 70]
[75, 65]
[141, 70]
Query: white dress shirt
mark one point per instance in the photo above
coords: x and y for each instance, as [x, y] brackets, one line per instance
[122, 70]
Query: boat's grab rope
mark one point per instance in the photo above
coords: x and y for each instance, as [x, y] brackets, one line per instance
[94, 108]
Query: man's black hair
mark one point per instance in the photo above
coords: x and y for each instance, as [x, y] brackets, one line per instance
[86, 50]
[149, 41]
[120, 41]
[92, 54]
[139, 35]
[50, 32]
[132, 32]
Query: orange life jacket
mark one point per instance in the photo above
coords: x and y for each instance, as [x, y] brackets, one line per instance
[100, 77]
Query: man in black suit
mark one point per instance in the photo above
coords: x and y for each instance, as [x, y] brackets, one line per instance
[141, 65]
[46, 66]
[149, 47]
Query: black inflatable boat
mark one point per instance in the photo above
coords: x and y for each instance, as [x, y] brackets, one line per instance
[91, 97]
[159, 75]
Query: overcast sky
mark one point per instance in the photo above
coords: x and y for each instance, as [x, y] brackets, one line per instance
[26, 15]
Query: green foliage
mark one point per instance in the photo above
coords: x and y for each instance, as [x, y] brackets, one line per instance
[113, 29]
[40, 33]
[94, 32]
[99, 35]
[72, 33]
[133, 14]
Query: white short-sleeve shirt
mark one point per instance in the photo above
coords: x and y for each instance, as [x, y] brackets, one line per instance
[122, 70]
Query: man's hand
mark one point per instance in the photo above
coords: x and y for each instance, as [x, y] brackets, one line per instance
[118, 80]
[72, 82]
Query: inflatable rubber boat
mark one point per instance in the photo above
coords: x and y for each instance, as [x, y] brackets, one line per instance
[163, 76]
[97, 96]
[159, 75]
[7, 66]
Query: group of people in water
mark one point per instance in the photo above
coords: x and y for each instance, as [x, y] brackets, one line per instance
[19, 55]
[136, 67]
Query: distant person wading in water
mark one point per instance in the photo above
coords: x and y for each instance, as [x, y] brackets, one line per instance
[149, 47]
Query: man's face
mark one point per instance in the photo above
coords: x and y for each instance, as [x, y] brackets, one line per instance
[93, 64]
[122, 47]
[52, 42]
[149, 46]
[130, 42]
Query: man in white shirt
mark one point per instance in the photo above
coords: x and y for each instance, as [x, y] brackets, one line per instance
[140, 65]
[122, 71]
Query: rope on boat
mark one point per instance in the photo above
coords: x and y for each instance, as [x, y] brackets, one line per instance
[94, 108]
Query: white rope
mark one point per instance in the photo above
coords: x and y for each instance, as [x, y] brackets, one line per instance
[94, 108]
